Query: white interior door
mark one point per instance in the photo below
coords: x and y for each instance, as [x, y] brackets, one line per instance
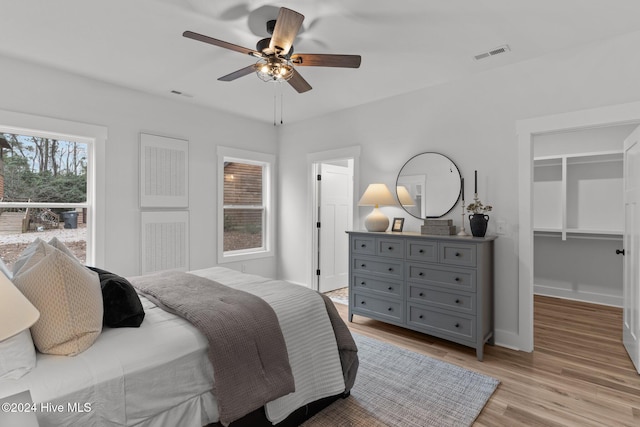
[631, 250]
[335, 217]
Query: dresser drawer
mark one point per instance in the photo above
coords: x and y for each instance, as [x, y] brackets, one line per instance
[393, 248]
[422, 251]
[449, 277]
[378, 307]
[387, 287]
[442, 322]
[457, 254]
[384, 266]
[461, 302]
[363, 245]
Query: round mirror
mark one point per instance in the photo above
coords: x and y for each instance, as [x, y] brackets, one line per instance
[428, 185]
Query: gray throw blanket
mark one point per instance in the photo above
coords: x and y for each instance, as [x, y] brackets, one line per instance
[246, 346]
[346, 345]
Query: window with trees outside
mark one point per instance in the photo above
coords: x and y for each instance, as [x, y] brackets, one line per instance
[245, 201]
[43, 193]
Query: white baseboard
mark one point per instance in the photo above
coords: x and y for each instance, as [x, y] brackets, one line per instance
[508, 339]
[591, 297]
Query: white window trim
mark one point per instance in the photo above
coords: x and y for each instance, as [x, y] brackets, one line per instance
[96, 138]
[245, 156]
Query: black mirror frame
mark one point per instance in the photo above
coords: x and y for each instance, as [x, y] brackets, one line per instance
[459, 192]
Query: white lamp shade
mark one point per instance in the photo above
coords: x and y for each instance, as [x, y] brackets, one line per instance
[377, 195]
[404, 197]
[16, 312]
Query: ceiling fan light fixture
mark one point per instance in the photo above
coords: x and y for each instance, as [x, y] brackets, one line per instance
[274, 69]
[275, 53]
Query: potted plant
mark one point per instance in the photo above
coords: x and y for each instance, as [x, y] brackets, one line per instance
[478, 220]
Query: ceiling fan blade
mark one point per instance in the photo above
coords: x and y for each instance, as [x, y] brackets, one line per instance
[322, 60]
[298, 83]
[288, 24]
[220, 43]
[240, 73]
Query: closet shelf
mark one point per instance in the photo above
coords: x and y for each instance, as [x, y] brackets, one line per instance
[579, 194]
[575, 233]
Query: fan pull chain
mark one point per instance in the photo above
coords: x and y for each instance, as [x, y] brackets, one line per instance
[277, 90]
[281, 106]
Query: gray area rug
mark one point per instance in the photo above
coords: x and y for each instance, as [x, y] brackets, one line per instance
[398, 388]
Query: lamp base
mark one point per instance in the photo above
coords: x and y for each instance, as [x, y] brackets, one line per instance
[376, 221]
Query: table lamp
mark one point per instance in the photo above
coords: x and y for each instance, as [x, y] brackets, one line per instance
[16, 312]
[377, 195]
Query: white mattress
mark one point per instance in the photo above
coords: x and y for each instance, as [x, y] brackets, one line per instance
[129, 376]
[160, 375]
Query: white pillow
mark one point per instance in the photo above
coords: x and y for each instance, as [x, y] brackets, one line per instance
[25, 255]
[59, 245]
[69, 298]
[17, 356]
[5, 269]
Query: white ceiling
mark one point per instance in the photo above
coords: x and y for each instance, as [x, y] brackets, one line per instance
[405, 44]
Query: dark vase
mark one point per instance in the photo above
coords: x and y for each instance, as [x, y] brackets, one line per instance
[478, 224]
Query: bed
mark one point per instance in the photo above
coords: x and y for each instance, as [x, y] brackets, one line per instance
[160, 374]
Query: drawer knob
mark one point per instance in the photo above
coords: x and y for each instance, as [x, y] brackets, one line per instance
[363, 245]
[362, 302]
[390, 288]
[390, 309]
[390, 269]
[421, 274]
[390, 248]
[457, 325]
[420, 317]
[363, 283]
[457, 301]
[421, 251]
[421, 294]
[457, 279]
[363, 265]
[457, 253]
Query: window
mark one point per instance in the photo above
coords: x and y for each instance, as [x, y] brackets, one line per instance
[244, 199]
[43, 192]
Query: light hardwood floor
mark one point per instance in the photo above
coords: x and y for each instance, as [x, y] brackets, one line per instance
[578, 375]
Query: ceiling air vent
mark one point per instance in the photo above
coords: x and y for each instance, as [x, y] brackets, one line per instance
[177, 92]
[498, 50]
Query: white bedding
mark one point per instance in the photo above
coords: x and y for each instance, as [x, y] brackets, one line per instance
[124, 376]
[131, 377]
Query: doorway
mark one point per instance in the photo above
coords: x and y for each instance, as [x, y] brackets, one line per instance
[333, 176]
[527, 130]
[578, 214]
[334, 194]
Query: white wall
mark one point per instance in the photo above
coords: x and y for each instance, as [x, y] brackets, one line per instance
[609, 138]
[35, 90]
[470, 120]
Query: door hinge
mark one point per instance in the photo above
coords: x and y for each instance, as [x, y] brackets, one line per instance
[317, 272]
[318, 224]
[319, 177]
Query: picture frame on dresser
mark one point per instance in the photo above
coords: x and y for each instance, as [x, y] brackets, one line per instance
[438, 285]
[398, 224]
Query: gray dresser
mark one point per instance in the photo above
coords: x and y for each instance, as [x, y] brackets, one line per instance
[439, 285]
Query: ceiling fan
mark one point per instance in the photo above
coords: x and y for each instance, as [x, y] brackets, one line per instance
[276, 60]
